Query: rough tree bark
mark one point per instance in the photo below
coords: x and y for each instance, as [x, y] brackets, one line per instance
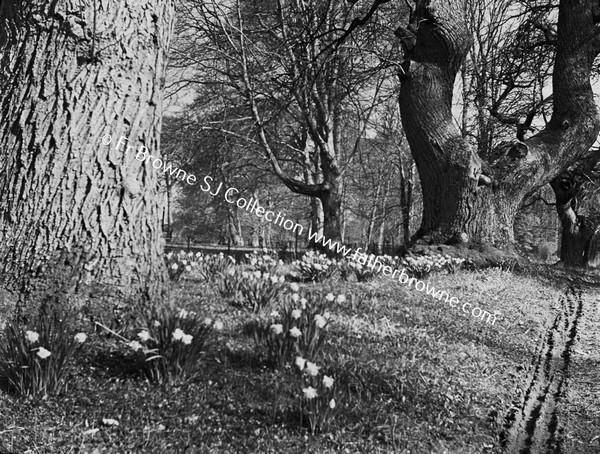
[69, 75]
[580, 234]
[467, 198]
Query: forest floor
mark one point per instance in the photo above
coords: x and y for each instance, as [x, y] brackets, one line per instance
[415, 375]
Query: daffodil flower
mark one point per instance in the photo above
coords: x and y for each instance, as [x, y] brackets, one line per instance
[310, 392]
[43, 353]
[312, 369]
[32, 336]
[277, 328]
[300, 362]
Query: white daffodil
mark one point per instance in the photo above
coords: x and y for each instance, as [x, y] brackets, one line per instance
[295, 297]
[294, 287]
[327, 381]
[183, 313]
[178, 334]
[332, 404]
[218, 325]
[320, 321]
[144, 335]
[300, 362]
[341, 298]
[312, 369]
[277, 328]
[187, 339]
[32, 336]
[296, 314]
[80, 337]
[43, 353]
[303, 302]
[330, 297]
[295, 332]
[135, 346]
[310, 392]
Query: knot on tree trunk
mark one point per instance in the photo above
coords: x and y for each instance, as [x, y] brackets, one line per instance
[438, 34]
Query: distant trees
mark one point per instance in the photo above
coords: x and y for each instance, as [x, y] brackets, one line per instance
[381, 187]
[71, 74]
[228, 158]
[294, 83]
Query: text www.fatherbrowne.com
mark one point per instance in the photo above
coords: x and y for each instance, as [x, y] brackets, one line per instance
[253, 206]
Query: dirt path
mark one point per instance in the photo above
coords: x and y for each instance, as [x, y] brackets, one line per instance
[533, 425]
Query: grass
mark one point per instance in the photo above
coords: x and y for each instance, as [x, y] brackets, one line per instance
[418, 376]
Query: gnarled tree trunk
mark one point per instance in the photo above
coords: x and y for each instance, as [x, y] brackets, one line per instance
[580, 234]
[71, 75]
[466, 197]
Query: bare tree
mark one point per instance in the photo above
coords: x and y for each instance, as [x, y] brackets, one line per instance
[283, 63]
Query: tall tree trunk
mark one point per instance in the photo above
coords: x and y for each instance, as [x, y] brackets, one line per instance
[268, 230]
[464, 197]
[71, 76]
[383, 216]
[373, 216]
[406, 196]
[331, 201]
[238, 239]
[234, 227]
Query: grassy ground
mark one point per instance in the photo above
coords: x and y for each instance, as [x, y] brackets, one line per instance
[417, 376]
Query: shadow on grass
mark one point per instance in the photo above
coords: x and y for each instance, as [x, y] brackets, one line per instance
[115, 364]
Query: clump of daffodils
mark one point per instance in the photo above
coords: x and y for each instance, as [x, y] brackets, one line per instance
[212, 267]
[315, 267]
[33, 360]
[264, 261]
[172, 342]
[421, 266]
[297, 326]
[260, 289]
[318, 398]
[180, 263]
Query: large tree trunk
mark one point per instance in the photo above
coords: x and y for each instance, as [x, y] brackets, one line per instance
[71, 76]
[464, 197]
